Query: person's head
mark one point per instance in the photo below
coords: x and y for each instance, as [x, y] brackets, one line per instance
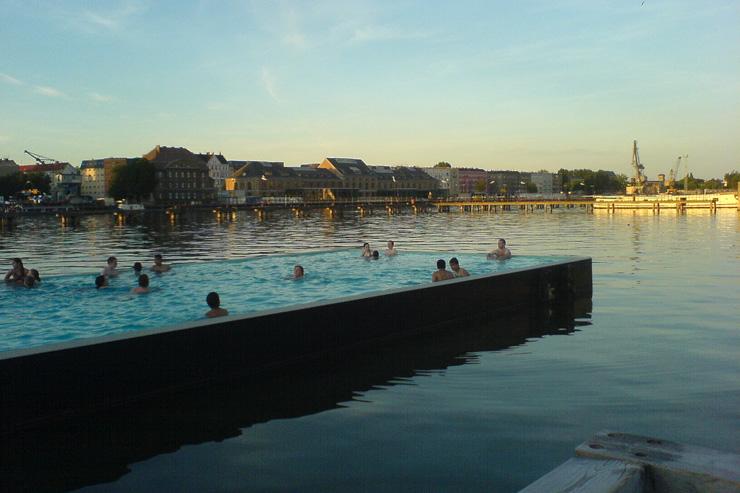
[213, 300]
[501, 243]
[391, 244]
[366, 246]
[144, 281]
[137, 267]
[17, 264]
[298, 271]
[101, 282]
[35, 275]
[158, 259]
[454, 264]
[376, 254]
[28, 281]
[441, 264]
[112, 261]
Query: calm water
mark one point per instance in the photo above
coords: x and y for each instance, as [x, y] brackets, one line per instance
[660, 357]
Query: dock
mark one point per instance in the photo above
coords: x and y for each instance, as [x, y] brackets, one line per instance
[621, 462]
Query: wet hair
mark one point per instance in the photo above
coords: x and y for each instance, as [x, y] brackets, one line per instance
[376, 254]
[28, 281]
[137, 266]
[213, 300]
[111, 259]
[365, 245]
[393, 243]
[35, 275]
[441, 264]
[144, 281]
[453, 260]
[501, 239]
[158, 256]
[20, 265]
[301, 268]
[99, 282]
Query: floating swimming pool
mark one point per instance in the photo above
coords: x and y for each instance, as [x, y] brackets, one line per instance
[68, 307]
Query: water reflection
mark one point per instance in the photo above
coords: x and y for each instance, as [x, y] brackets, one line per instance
[98, 449]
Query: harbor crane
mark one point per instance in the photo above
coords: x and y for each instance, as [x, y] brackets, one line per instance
[673, 175]
[40, 159]
[638, 185]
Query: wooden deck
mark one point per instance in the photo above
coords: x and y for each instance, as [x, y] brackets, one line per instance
[588, 205]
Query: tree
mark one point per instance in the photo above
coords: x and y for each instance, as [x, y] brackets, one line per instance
[531, 188]
[39, 181]
[134, 180]
[480, 186]
[11, 184]
[732, 178]
[443, 164]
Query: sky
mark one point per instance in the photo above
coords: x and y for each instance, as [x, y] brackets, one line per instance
[517, 84]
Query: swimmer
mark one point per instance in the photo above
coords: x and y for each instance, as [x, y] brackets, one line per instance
[17, 273]
[298, 272]
[457, 271]
[137, 268]
[101, 282]
[441, 274]
[391, 250]
[214, 302]
[143, 287]
[366, 252]
[501, 253]
[376, 255]
[158, 266]
[110, 269]
[29, 281]
[35, 274]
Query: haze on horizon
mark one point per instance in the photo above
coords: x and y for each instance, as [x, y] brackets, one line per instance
[522, 85]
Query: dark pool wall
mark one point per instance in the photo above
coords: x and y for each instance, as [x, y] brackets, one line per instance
[39, 385]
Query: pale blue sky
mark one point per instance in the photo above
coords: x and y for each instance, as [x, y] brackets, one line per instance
[495, 84]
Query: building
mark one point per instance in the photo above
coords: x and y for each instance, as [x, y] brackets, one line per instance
[545, 182]
[448, 178]
[96, 176]
[219, 169]
[8, 167]
[506, 182]
[404, 181]
[65, 179]
[358, 181]
[182, 177]
[317, 183]
[472, 180]
[262, 179]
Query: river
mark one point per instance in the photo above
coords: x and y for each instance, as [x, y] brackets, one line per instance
[659, 356]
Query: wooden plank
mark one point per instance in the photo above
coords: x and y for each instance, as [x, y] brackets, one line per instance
[579, 475]
[672, 466]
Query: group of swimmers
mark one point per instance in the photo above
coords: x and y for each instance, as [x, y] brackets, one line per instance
[30, 277]
[18, 274]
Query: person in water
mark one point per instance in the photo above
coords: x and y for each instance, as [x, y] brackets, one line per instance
[391, 250]
[158, 266]
[501, 253]
[457, 271]
[366, 252]
[214, 302]
[17, 273]
[137, 268]
[441, 274]
[298, 272]
[29, 281]
[35, 274]
[101, 282]
[110, 270]
[143, 286]
[376, 255]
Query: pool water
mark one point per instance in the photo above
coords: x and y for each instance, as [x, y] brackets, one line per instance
[68, 307]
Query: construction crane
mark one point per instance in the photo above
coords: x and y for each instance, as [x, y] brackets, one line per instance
[686, 178]
[673, 175]
[639, 179]
[40, 159]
